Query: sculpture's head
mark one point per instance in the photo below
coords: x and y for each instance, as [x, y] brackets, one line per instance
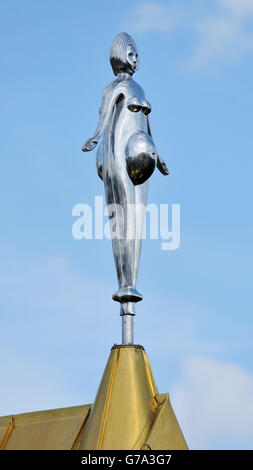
[124, 55]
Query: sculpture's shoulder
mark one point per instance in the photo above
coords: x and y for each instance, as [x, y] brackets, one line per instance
[110, 88]
[136, 89]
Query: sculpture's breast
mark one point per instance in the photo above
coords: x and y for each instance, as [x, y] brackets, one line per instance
[136, 104]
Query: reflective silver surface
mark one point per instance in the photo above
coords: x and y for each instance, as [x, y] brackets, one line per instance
[127, 329]
[126, 158]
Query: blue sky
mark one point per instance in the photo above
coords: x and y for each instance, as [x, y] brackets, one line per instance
[58, 321]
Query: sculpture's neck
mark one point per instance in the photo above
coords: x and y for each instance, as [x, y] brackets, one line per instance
[123, 76]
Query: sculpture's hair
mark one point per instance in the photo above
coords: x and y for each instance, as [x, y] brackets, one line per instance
[118, 52]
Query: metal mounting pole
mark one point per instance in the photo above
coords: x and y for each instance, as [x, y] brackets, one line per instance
[127, 313]
[127, 329]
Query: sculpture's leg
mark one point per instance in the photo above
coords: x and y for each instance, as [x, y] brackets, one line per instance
[120, 199]
[140, 217]
[126, 205]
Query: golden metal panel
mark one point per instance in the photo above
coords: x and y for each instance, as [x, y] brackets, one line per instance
[165, 432]
[45, 430]
[2, 432]
[127, 406]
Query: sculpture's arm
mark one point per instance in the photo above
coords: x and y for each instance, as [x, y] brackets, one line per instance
[110, 95]
[160, 164]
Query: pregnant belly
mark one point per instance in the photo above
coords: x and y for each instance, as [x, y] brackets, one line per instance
[141, 157]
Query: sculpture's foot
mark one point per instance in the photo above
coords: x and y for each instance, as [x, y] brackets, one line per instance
[127, 294]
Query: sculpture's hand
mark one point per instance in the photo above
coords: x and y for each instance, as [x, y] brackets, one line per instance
[161, 165]
[90, 144]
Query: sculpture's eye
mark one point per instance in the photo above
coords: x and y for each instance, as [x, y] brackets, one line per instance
[130, 54]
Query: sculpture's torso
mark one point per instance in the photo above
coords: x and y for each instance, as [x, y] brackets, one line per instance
[126, 143]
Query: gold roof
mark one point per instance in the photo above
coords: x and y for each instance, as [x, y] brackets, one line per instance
[44, 430]
[128, 413]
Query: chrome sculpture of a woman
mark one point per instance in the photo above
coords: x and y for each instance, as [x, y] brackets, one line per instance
[126, 158]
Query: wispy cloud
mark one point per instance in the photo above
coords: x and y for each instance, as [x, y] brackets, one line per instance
[223, 36]
[149, 16]
[238, 7]
[220, 31]
[213, 401]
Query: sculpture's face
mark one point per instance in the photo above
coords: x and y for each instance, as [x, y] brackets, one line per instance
[132, 58]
